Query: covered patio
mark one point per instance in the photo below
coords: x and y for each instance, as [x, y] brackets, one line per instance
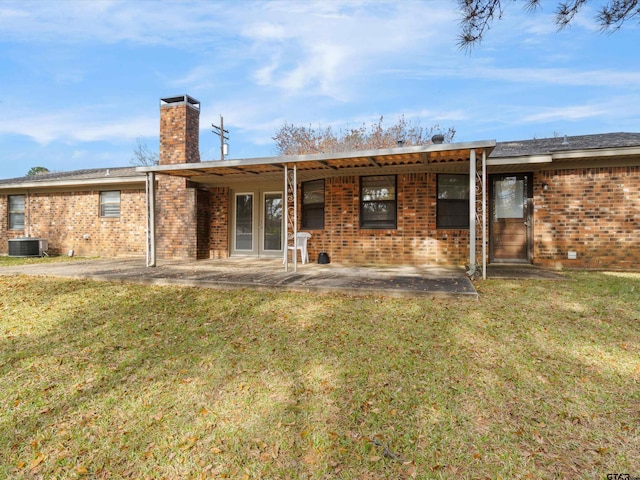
[289, 171]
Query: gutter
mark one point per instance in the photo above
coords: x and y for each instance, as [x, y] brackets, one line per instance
[35, 185]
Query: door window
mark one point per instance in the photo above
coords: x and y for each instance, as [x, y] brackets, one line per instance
[510, 198]
[244, 221]
[272, 221]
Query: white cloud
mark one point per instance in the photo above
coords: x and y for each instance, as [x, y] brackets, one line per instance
[481, 69]
[72, 126]
[329, 45]
[615, 108]
[110, 21]
[569, 112]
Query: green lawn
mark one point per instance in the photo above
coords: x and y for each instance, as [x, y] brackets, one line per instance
[537, 379]
[6, 261]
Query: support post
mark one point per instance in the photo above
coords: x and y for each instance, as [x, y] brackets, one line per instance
[484, 214]
[291, 220]
[286, 218]
[472, 213]
[151, 219]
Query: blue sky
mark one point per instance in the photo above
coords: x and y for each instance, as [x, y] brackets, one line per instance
[81, 80]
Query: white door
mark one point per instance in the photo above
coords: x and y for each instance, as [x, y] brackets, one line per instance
[257, 223]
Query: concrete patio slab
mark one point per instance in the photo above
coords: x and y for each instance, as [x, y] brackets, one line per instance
[266, 274]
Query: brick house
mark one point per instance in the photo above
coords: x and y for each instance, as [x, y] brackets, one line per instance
[565, 202]
[99, 212]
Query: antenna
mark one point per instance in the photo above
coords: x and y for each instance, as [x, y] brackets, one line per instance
[224, 135]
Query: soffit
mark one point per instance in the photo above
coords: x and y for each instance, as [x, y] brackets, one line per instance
[443, 157]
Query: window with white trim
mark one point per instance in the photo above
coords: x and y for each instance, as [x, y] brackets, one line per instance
[110, 204]
[16, 212]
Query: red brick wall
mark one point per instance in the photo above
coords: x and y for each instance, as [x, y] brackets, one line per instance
[179, 134]
[415, 241]
[66, 218]
[220, 221]
[176, 219]
[203, 206]
[593, 212]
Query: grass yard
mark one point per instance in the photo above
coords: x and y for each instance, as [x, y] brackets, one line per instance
[6, 261]
[537, 379]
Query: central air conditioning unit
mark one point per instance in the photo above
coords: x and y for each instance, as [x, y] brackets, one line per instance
[27, 247]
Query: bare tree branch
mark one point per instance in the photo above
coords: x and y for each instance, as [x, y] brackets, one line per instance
[477, 16]
[142, 156]
[299, 140]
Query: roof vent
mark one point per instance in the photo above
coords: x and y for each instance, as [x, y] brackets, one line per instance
[564, 141]
[437, 139]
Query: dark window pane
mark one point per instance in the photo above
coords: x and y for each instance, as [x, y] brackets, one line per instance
[244, 222]
[273, 221]
[378, 207]
[313, 204]
[453, 201]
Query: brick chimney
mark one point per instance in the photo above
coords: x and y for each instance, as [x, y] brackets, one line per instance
[182, 210]
[179, 130]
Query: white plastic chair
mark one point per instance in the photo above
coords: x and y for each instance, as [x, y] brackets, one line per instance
[303, 237]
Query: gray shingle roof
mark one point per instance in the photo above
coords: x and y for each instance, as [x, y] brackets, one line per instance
[87, 174]
[539, 146]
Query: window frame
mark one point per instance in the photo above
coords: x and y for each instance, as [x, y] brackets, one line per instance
[462, 203]
[13, 214]
[308, 207]
[105, 204]
[368, 224]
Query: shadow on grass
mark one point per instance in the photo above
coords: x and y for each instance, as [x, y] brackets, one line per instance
[130, 381]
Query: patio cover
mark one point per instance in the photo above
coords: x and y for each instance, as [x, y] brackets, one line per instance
[466, 157]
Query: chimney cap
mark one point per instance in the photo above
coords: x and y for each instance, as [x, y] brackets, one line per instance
[180, 100]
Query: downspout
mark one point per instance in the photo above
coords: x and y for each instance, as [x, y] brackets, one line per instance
[151, 219]
[27, 220]
[472, 213]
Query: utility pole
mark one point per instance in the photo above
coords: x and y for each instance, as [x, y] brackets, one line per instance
[224, 135]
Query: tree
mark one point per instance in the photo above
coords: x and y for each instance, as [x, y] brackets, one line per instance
[478, 15]
[298, 140]
[142, 156]
[33, 171]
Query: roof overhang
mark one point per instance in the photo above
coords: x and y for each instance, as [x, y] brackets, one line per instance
[529, 159]
[78, 184]
[392, 160]
[567, 159]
